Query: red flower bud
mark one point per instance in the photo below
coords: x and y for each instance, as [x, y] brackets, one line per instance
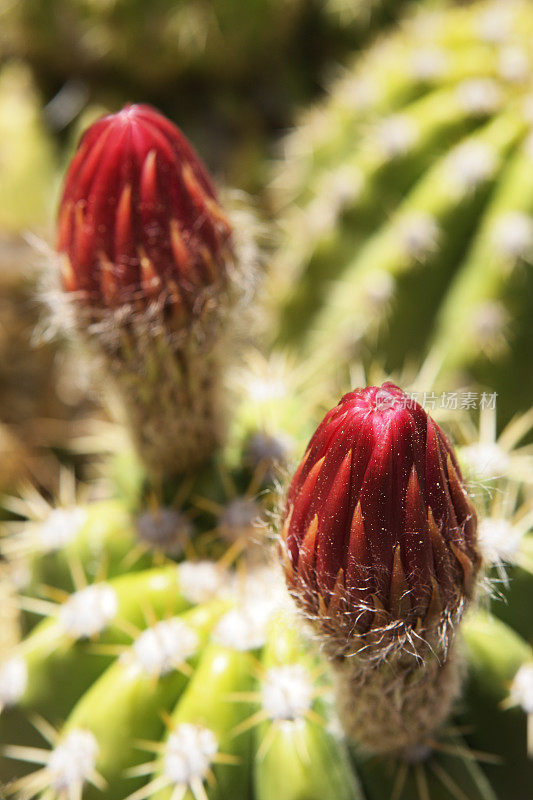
[139, 219]
[379, 531]
[157, 290]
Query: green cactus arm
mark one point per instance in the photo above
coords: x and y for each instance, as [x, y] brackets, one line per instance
[485, 276]
[428, 126]
[27, 178]
[495, 652]
[216, 700]
[527, 552]
[395, 330]
[124, 706]
[433, 203]
[298, 758]
[378, 83]
[102, 540]
[284, 643]
[306, 763]
[53, 655]
[495, 655]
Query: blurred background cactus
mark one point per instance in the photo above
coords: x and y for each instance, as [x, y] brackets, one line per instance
[408, 206]
[382, 229]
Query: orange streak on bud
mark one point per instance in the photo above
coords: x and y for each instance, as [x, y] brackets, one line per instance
[150, 280]
[81, 239]
[108, 284]
[64, 225]
[399, 602]
[217, 214]
[197, 193]
[286, 525]
[149, 178]
[68, 276]
[380, 615]
[457, 491]
[434, 611]
[357, 551]
[466, 565]
[306, 563]
[123, 232]
[338, 594]
[208, 264]
[179, 248]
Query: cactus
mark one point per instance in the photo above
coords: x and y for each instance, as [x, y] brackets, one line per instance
[410, 184]
[27, 177]
[160, 655]
[208, 668]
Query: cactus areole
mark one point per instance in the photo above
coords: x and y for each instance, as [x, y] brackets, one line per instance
[139, 217]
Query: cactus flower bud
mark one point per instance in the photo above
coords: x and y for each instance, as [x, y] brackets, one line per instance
[379, 543]
[139, 218]
[152, 277]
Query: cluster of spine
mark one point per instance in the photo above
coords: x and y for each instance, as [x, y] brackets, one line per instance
[411, 185]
